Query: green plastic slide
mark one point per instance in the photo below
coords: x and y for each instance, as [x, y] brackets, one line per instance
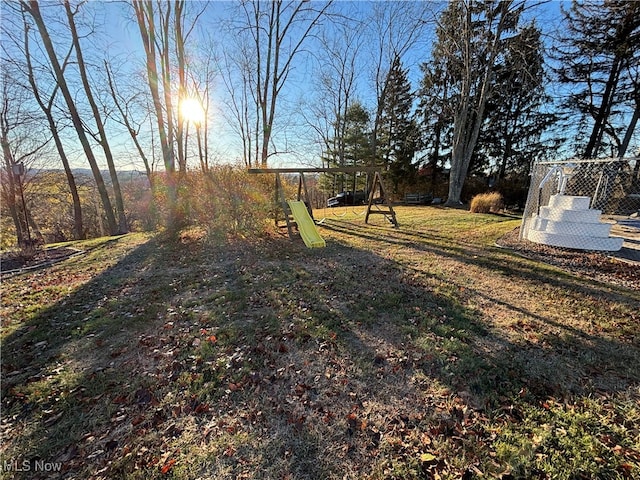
[306, 225]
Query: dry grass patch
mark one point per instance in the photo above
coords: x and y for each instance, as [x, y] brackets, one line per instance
[487, 203]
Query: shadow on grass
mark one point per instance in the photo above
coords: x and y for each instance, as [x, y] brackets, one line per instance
[62, 368]
[507, 263]
[269, 360]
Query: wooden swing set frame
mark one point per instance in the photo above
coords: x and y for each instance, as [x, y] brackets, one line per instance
[383, 208]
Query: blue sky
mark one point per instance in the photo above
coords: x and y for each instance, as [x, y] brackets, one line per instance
[300, 86]
[122, 41]
[118, 39]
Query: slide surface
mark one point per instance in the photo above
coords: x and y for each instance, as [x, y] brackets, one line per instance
[306, 226]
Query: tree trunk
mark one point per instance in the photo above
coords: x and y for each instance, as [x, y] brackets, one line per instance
[146, 24]
[459, 158]
[78, 227]
[622, 35]
[470, 115]
[32, 7]
[122, 219]
[635, 178]
[35, 228]
[9, 186]
[631, 128]
[506, 155]
[435, 154]
[600, 119]
[378, 118]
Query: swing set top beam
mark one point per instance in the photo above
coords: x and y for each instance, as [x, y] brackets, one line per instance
[315, 170]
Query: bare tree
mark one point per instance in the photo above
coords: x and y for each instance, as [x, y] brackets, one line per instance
[32, 8]
[97, 117]
[18, 91]
[123, 106]
[338, 72]
[278, 31]
[164, 34]
[47, 109]
[201, 80]
[10, 119]
[394, 28]
[475, 36]
[236, 71]
[25, 147]
[145, 17]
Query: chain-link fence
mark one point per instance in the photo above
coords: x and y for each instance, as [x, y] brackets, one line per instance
[567, 199]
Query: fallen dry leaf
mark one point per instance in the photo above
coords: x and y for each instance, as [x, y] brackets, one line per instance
[168, 466]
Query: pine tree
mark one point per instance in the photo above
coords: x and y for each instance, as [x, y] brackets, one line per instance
[434, 113]
[599, 55]
[398, 131]
[354, 149]
[516, 120]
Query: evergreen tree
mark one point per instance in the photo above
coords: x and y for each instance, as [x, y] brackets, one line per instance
[434, 114]
[398, 131]
[599, 57]
[516, 120]
[354, 149]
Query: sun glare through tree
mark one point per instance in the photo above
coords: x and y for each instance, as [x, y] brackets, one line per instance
[191, 110]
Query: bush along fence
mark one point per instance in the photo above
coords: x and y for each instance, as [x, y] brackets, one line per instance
[567, 199]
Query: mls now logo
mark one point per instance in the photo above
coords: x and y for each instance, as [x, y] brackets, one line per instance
[31, 466]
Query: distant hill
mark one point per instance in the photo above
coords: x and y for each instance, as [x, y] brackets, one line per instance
[123, 174]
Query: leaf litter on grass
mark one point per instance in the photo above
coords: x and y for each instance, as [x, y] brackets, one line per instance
[395, 355]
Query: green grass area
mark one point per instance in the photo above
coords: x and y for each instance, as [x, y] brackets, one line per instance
[417, 352]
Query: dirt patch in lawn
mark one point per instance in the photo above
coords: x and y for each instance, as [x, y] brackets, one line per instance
[617, 268]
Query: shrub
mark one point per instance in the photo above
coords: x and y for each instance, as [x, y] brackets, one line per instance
[491, 202]
[226, 201]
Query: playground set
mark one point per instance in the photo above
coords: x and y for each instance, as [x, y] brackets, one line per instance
[299, 212]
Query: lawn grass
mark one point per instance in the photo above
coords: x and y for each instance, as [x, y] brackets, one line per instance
[418, 352]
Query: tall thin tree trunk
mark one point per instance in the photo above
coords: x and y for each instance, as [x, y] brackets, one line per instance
[506, 155]
[181, 134]
[104, 142]
[468, 119]
[35, 228]
[622, 34]
[635, 178]
[146, 24]
[9, 186]
[78, 227]
[591, 150]
[631, 128]
[32, 7]
[458, 170]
